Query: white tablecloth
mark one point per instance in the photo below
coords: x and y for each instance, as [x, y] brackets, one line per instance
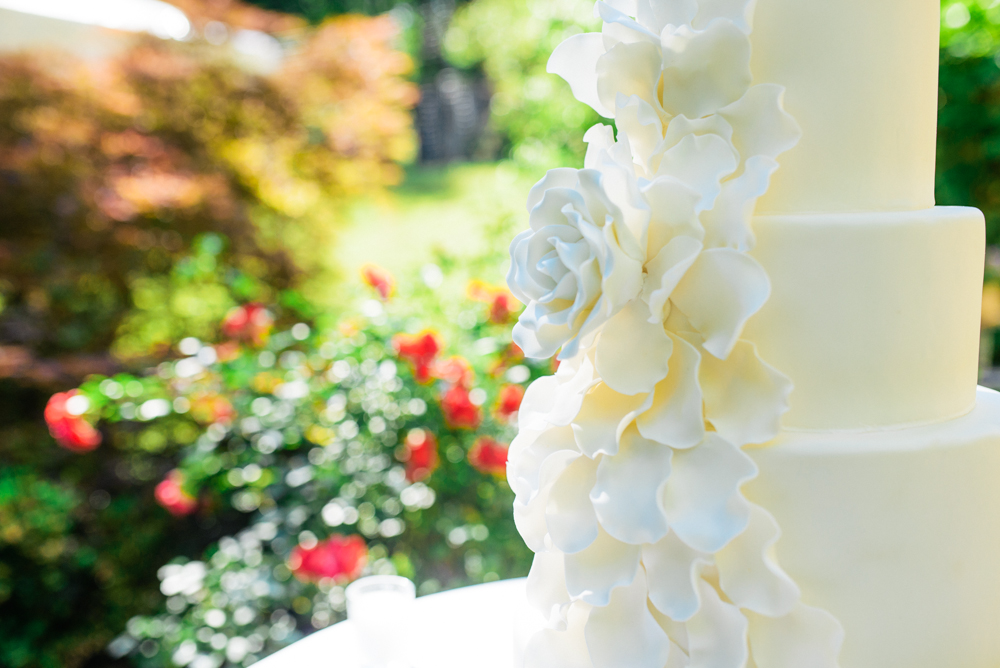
[472, 627]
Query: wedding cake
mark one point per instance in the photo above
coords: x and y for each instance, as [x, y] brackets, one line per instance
[764, 446]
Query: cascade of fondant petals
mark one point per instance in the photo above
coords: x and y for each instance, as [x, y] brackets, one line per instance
[628, 465]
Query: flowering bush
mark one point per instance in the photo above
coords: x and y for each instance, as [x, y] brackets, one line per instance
[145, 197]
[376, 445]
[67, 426]
[337, 558]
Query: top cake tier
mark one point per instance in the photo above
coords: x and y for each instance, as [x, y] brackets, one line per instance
[861, 79]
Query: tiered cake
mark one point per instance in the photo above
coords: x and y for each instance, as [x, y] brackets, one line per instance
[767, 330]
[885, 478]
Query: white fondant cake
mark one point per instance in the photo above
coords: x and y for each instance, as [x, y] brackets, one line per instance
[896, 534]
[874, 316]
[807, 373]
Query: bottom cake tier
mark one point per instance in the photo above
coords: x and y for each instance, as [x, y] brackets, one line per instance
[897, 533]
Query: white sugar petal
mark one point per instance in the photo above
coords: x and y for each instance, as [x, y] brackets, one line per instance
[561, 648]
[664, 273]
[674, 571]
[762, 126]
[702, 499]
[607, 563]
[599, 138]
[740, 12]
[539, 337]
[633, 354]
[575, 60]
[619, 26]
[682, 126]
[625, 633]
[604, 416]
[701, 162]
[718, 633]
[719, 293]
[728, 223]
[673, 206]
[529, 453]
[628, 490]
[749, 574]
[629, 69]
[642, 127]
[705, 70]
[657, 14]
[745, 397]
[546, 585]
[562, 177]
[529, 509]
[675, 417]
[569, 514]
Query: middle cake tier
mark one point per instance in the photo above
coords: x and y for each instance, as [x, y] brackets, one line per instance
[874, 316]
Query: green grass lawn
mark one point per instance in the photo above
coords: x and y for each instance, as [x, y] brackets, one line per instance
[447, 208]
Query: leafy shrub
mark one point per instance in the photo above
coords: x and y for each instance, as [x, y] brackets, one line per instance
[376, 446]
[140, 201]
[511, 40]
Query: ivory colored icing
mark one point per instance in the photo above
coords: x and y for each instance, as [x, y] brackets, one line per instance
[861, 80]
[874, 317]
[897, 534]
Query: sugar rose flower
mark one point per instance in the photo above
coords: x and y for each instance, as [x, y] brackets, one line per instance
[581, 260]
[341, 558]
[170, 494]
[64, 417]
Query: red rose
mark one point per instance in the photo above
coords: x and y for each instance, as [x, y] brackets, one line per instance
[502, 307]
[459, 411]
[210, 408]
[489, 456]
[71, 431]
[502, 302]
[170, 494]
[510, 356]
[250, 323]
[419, 350]
[421, 454]
[510, 401]
[454, 370]
[340, 558]
[380, 279]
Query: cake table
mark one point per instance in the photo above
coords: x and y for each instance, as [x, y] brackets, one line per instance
[448, 629]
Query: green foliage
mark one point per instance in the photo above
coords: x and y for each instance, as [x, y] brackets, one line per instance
[317, 10]
[969, 137]
[139, 202]
[970, 28]
[511, 40]
[305, 435]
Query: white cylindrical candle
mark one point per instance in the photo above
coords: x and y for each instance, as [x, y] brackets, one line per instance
[380, 608]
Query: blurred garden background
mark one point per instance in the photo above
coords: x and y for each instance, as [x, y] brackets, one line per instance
[253, 335]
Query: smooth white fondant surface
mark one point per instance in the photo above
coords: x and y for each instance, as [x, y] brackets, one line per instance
[874, 317]
[897, 534]
[861, 80]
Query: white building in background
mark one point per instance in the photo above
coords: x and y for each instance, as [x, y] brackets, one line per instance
[99, 28]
